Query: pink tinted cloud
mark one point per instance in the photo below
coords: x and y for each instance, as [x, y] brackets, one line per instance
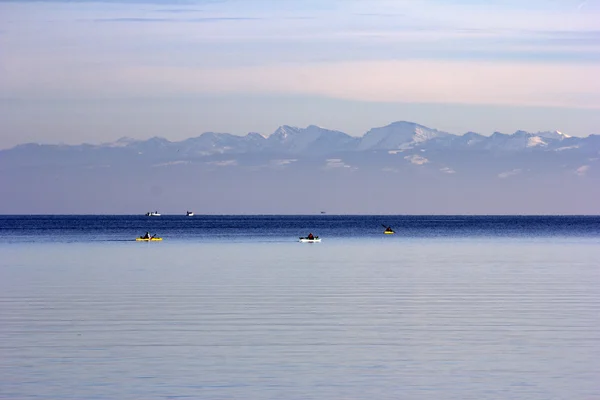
[469, 82]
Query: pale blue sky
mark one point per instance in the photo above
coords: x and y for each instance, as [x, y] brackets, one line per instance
[95, 71]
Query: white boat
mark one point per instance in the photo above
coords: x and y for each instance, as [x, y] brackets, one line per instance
[152, 214]
[190, 214]
[316, 239]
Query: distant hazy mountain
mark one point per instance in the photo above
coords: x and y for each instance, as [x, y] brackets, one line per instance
[400, 168]
[398, 135]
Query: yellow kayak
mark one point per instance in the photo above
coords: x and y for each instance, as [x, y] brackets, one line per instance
[389, 232]
[148, 240]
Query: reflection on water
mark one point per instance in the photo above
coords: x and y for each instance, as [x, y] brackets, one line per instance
[420, 319]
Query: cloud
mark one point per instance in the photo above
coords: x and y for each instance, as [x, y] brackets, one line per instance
[336, 163]
[390, 169]
[507, 174]
[381, 51]
[462, 82]
[177, 20]
[171, 163]
[581, 171]
[284, 162]
[119, 2]
[224, 163]
[178, 10]
[132, 20]
[567, 148]
[447, 170]
[417, 160]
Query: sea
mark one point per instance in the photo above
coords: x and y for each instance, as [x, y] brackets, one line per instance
[235, 307]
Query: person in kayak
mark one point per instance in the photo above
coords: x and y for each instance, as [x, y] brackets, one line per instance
[310, 236]
[146, 236]
[389, 229]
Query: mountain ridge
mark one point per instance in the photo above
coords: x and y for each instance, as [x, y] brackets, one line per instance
[396, 136]
[399, 168]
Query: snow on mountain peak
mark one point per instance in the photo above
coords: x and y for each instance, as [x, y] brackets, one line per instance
[121, 142]
[397, 135]
[255, 135]
[284, 132]
[535, 141]
[295, 139]
[126, 139]
[556, 135]
[423, 134]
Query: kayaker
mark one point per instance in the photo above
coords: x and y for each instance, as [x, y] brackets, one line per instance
[310, 236]
[146, 236]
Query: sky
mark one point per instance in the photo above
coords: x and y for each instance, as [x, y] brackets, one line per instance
[95, 71]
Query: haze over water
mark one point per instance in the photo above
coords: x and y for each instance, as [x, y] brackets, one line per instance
[233, 307]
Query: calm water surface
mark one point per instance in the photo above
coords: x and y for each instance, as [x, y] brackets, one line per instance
[234, 308]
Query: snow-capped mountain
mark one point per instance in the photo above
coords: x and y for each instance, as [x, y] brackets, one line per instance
[398, 135]
[399, 168]
[521, 140]
[313, 140]
[556, 135]
[215, 143]
[289, 142]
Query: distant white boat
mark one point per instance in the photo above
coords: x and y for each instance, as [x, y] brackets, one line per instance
[152, 214]
[190, 214]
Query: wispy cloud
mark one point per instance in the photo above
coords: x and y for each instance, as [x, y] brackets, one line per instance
[284, 162]
[416, 159]
[581, 171]
[223, 163]
[464, 82]
[179, 10]
[390, 169]
[581, 5]
[336, 163]
[508, 174]
[179, 20]
[171, 163]
[126, 2]
[445, 81]
[132, 20]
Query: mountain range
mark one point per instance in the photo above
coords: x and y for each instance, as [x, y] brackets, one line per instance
[400, 168]
[313, 140]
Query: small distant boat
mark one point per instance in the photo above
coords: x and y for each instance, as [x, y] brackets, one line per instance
[315, 239]
[388, 230]
[190, 214]
[152, 214]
